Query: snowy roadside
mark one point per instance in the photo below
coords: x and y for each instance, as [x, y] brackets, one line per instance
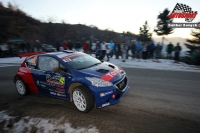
[161, 64]
[31, 124]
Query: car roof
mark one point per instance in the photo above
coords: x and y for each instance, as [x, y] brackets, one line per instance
[58, 54]
[63, 53]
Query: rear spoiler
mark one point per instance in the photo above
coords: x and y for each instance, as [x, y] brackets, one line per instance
[30, 53]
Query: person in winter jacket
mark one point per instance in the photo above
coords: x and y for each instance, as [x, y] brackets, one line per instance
[70, 45]
[98, 50]
[151, 48]
[111, 46]
[117, 50]
[169, 50]
[85, 47]
[78, 46]
[133, 49]
[144, 51]
[158, 50]
[124, 49]
[103, 50]
[177, 50]
[107, 52]
[64, 45]
[138, 50]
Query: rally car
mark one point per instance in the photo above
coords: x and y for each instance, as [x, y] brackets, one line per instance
[75, 76]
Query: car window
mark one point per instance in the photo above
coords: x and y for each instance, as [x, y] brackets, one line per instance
[46, 63]
[31, 63]
[63, 70]
[81, 61]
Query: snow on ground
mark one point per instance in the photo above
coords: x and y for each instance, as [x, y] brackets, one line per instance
[161, 64]
[39, 125]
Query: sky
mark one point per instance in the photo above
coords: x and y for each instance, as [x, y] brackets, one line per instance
[116, 15]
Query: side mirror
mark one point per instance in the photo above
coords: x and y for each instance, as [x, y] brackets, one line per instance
[30, 65]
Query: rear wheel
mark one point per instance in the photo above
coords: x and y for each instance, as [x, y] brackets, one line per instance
[83, 99]
[21, 87]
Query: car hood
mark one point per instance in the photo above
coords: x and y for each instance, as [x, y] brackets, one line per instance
[106, 71]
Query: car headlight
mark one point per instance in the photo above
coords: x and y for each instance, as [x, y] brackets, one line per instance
[99, 82]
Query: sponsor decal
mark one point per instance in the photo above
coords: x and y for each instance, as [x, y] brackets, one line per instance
[45, 84]
[52, 93]
[55, 79]
[68, 58]
[22, 70]
[106, 93]
[110, 75]
[61, 95]
[102, 94]
[106, 104]
[60, 90]
[109, 92]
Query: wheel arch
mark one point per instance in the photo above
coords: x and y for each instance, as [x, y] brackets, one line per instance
[74, 85]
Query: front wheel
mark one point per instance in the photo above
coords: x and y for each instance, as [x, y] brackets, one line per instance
[83, 99]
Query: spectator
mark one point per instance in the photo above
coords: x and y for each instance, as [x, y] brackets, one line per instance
[151, 50]
[177, 50]
[117, 50]
[103, 50]
[98, 50]
[138, 50]
[57, 45]
[111, 46]
[144, 51]
[70, 45]
[128, 48]
[85, 47]
[107, 52]
[90, 47]
[169, 50]
[78, 46]
[124, 49]
[133, 49]
[64, 45]
[158, 51]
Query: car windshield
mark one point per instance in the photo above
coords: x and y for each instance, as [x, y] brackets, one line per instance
[81, 61]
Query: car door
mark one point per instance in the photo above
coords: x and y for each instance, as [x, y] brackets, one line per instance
[52, 77]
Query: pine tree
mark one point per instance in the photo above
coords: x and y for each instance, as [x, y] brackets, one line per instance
[162, 28]
[195, 41]
[144, 33]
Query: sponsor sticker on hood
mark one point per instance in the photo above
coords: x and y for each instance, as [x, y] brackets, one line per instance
[110, 75]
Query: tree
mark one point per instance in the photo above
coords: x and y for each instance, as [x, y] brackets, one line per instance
[162, 28]
[194, 43]
[144, 33]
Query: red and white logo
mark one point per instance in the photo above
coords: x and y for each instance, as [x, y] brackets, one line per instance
[183, 11]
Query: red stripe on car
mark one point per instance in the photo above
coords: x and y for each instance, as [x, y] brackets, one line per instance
[110, 75]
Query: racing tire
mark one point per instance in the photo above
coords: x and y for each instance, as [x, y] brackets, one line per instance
[83, 99]
[21, 87]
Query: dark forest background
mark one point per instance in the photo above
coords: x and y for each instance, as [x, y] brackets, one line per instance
[16, 24]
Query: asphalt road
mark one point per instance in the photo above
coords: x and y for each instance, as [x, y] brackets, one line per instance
[157, 102]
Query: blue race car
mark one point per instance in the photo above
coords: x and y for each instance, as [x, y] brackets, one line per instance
[73, 76]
